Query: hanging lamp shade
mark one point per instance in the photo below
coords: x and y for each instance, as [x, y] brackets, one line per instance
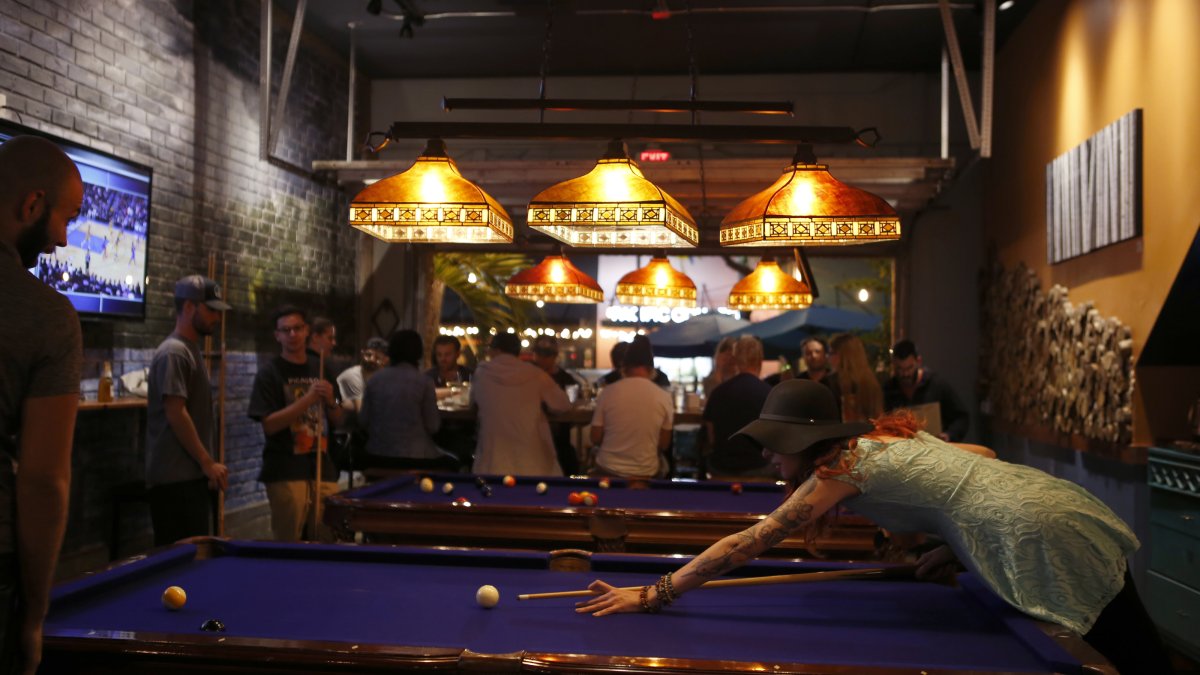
[431, 202]
[769, 287]
[657, 285]
[809, 207]
[554, 279]
[613, 205]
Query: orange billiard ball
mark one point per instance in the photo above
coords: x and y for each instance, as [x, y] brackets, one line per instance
[174, 597]
[574, 499]
[736, 488]
[604, 484]
[509, 481]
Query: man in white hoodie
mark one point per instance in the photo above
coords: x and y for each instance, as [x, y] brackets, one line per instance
[509, 394]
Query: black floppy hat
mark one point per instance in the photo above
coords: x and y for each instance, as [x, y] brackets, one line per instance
[797, 414]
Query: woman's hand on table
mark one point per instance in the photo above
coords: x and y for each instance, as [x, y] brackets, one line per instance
[610, 600]
[937, 565]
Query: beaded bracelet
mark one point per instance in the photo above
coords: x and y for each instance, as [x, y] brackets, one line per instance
[670, 587]
[644, 599]
[664, 598]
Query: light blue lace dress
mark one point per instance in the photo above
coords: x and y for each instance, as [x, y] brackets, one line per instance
[1044, 544]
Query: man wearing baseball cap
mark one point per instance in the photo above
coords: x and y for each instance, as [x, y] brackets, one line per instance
[181, 472]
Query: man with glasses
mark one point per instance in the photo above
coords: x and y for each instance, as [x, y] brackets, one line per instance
[292, 398]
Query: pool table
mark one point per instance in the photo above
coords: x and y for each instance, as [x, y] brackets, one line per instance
[659, 516]
[299, 608]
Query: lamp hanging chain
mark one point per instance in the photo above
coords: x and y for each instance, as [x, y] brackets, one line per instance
[545, 58]
[694, 74]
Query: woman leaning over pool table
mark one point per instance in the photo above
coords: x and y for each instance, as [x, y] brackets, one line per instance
[1045, 545]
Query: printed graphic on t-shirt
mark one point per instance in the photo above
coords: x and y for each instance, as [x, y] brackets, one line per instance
[307, 428]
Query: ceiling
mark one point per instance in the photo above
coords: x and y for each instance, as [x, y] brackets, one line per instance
[508, 38]
[475, 39]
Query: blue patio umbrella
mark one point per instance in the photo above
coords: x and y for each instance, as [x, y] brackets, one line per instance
[698, 336]
[784, 333]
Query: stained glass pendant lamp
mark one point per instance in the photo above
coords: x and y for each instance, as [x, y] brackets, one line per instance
[430, 203]
[657, 285]
[769, 287]
[809, 207]
[615, 206]
[554, 279]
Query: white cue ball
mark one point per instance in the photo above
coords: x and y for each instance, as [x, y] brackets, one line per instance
[541, 488]
[487, 596]
[448, 488]
[426, 485]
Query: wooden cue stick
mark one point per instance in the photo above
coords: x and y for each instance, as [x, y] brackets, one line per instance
[901, 571]
[320, 442]
[221, 407]
[212, 271]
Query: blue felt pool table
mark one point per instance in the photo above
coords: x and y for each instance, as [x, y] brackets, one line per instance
[337, 608]
[659, 516]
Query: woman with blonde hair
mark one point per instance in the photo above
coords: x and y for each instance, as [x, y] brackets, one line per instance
[724, 367]
[862, 397]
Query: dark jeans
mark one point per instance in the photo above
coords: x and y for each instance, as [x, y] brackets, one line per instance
[180, 510]
[1125, 634]
[10, 633]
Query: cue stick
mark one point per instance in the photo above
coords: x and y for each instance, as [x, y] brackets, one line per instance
[212, 271]
[899, 572]
[221, 409]
[320, 442]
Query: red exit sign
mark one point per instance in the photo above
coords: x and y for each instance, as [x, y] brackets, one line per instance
[655, 156]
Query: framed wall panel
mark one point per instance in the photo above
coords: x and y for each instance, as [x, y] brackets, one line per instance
[1094, 191]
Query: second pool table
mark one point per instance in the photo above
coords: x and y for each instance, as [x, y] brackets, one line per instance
[659, 516]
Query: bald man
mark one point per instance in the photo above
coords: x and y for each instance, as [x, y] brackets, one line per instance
[40, 362]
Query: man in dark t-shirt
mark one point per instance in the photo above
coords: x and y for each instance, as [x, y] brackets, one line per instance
[733, 404]
[41, 357]
[291, 398]
[181, 466]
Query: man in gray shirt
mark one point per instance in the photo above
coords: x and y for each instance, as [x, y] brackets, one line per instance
[180, 469]
[41, 357]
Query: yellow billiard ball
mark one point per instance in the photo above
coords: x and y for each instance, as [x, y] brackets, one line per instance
[487, 596]
[426, 484]
[174, 597]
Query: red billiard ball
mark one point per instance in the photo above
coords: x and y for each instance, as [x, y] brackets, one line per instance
[589, 499]
[509, 481]
[604, 484]
[736, 488]
[462, 501]
[574, 499]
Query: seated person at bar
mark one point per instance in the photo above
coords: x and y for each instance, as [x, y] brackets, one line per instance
[1043, 544]
[723, 366]
[735, 403]
[617, 356]
[545, 356]
[509, 394]
[445, 370]
[633, 419]
[913, 384]
[399, 411]
[352, 382]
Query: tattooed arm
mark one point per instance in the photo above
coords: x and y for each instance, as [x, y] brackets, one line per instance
[806, 504]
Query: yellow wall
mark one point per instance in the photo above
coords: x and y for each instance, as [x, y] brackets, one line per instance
[1072, 68]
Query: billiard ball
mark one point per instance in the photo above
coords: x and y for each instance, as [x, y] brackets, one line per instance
[487, 596]
[448, 488]
[213, 626]
[174, 597]
[574, 499]
[426, 484]
[541, 488]
[462, 501]
[509, 481]
[604, 484]
[589, 499]
[486, 490]
[736, 488]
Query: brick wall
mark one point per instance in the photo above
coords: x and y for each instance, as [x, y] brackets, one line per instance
[174, 85]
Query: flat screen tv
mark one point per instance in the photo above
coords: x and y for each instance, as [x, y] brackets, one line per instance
[102, 269]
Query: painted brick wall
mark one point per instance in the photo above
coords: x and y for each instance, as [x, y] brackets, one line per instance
[174, 85]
